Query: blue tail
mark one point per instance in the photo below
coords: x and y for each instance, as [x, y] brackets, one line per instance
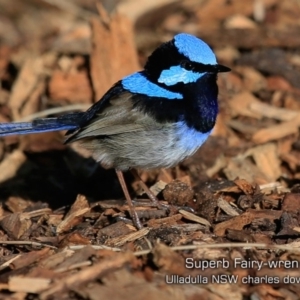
[66, 122]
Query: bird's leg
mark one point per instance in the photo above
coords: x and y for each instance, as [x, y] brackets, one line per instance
[151, 196]
[133, 213]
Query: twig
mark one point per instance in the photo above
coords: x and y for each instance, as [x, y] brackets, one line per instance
[194, 247]
[224, 245]
[96, 247]
[7, 263]
[75, 266]
[37, 244]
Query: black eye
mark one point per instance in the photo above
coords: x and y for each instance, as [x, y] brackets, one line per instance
[187, 65]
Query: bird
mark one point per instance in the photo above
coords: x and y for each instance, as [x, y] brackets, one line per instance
[153, 118]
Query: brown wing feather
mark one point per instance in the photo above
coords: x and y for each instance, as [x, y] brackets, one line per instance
[118, 116]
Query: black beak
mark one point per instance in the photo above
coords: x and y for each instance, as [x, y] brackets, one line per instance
[202, 68]
[220, 68]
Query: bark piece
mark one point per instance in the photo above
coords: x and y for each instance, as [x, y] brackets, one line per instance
[15, 225]
[168, 260]
[113, 51]
[73, 87]
[244, 219]
[74, 216]
[291, 203]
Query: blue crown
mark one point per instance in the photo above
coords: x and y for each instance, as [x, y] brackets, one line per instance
[194, 49]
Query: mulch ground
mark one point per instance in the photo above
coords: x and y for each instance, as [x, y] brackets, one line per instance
[230, 222]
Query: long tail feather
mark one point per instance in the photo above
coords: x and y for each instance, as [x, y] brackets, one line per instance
[67, 122]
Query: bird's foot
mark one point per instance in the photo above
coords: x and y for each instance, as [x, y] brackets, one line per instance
[135, 218]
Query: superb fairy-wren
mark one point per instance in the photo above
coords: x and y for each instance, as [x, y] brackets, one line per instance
[154, 118]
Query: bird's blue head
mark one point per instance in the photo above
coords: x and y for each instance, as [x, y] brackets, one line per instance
[182, 60]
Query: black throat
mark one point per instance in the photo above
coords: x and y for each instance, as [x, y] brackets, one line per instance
[201, 100]
[198, 108]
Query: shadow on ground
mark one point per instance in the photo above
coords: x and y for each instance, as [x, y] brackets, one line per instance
[57, 177]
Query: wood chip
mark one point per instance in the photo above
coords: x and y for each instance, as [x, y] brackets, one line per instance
[134, 12]
[240, 105]
[73, 87]
[115, 230]
[7, 263]
[27, 284]
[267, 160]
[33, 72]
[240, 167]
[15, 225]
[277, 131]
[28, 258]
[168, 221]
[244, 219]
[270, 111]
[239, 22]
[291, 203]
[88, 274]
[74, 216]
[168, 260]
[77, 257]
[245, 186]
[117, 57]
[226, 207]
[193, 217]
[119, 241]
[158, 187]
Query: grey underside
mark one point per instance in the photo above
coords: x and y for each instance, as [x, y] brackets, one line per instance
[123, 137]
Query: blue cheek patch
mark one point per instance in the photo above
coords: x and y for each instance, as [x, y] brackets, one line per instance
[194, 49]
[178, 74]
[138, 83]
